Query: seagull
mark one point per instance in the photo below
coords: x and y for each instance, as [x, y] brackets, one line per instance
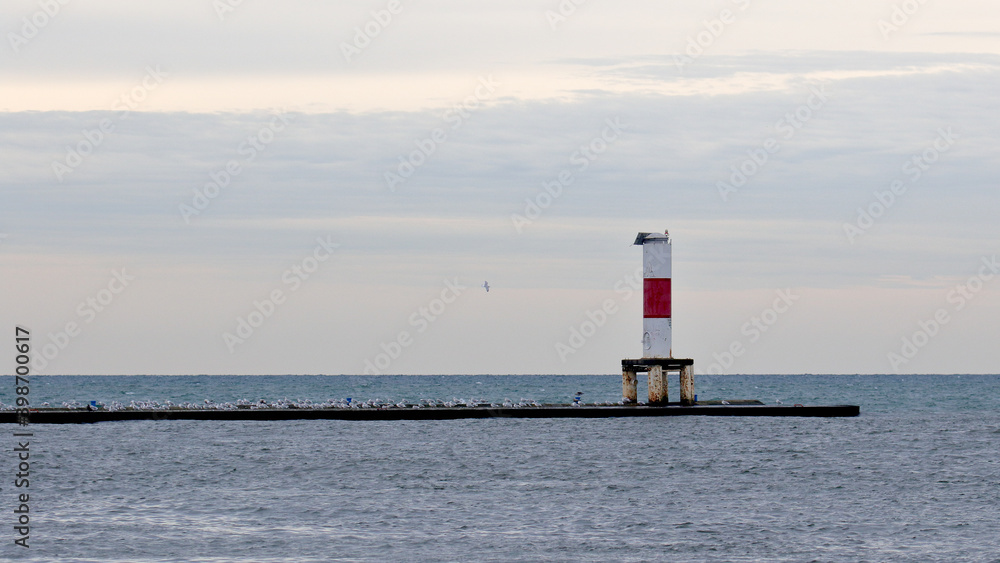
[486, 284]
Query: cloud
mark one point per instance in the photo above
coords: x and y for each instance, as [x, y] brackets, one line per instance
[324, 174]
[674, 151]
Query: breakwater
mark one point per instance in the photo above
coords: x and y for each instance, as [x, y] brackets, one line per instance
[417, 412]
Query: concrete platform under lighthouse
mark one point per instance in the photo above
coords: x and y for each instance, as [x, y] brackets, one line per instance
[657, 370]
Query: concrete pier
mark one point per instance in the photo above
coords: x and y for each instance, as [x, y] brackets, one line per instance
[629, 392]
[657, 370]
[657, 386]
[687, 385]
[706, 408]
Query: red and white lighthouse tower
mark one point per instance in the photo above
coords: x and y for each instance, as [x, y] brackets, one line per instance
[656, 322]
[657, 325]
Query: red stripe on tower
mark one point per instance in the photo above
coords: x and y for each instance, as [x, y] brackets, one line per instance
[656, 298]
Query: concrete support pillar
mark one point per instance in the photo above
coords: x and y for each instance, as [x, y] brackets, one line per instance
[657, 386]
[687, 386]
[629, 393]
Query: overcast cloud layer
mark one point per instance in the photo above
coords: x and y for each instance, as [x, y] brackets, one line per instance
[829, 181]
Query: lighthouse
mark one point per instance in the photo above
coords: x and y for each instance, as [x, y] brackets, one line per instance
[657, 328]
[656, 322]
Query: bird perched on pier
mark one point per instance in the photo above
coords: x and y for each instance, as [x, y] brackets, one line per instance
[486, 284]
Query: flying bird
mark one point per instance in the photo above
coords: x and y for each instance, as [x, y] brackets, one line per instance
[486, 284]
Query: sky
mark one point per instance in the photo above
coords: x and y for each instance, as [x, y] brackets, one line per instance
[309, 187]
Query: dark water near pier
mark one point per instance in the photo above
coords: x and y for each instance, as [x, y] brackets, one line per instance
[915, 478]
